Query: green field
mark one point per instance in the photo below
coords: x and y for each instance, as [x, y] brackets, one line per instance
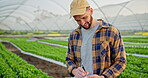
[130, 48]
[137, 67]
[12, 66]
[39, 49]
[136, 39]
[136, 50]
[65, 43]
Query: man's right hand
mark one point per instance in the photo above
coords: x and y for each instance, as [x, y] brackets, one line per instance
[79, 72]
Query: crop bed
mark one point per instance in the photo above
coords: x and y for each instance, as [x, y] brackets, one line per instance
[52, 69]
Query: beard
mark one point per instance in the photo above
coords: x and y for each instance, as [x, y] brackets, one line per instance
[89, 23]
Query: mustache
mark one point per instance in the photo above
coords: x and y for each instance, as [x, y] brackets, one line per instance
[89, 23]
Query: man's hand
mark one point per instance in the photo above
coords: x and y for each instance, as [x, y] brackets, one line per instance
[79, 72]
[95, 76]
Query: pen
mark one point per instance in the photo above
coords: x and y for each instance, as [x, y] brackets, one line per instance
[84, 70]
[83, 67]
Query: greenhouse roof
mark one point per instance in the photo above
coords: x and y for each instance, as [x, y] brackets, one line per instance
[54, 14]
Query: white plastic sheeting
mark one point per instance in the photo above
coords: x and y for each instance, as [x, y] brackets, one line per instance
[33, 15]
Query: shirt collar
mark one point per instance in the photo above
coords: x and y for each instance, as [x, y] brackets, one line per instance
[101, 25]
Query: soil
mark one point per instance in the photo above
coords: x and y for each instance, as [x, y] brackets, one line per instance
[52, 69]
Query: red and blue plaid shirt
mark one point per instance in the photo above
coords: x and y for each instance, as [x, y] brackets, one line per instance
[108, 53]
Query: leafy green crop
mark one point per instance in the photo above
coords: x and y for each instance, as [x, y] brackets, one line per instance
[41, 49]
[132, 48]
[12, 66]
[136, 50]
[136, 39]
[137, 67]
[65, 43]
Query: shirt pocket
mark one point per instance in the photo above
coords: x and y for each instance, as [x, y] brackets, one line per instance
[101, 48]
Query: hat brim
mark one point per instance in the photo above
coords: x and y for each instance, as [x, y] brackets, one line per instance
[79, 11]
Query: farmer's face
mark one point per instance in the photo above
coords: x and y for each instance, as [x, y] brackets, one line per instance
[84, 20]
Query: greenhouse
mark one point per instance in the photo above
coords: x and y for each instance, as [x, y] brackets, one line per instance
[54, 15]
[34, 35]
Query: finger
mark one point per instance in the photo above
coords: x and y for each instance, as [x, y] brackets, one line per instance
[81, 69]
[81, 74]
[87, 73]
[78, 73]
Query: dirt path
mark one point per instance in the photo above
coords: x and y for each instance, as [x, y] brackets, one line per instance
[52, 69]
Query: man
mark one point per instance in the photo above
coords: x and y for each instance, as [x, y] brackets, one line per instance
[95, 48]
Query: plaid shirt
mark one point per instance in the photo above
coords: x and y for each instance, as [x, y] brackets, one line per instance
[109, 57]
